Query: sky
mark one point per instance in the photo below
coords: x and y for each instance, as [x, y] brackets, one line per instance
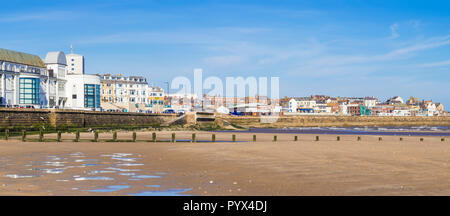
[337, 48]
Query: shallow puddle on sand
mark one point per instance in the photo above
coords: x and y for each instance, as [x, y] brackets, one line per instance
[111, 188]
[130, 164]
[85, 160]
[94, 178]
[16, 176]
[124, 159]
[145, 176]
[127, 174]
[167, 192]
[53, 171]
[122, 170]
[107, 168]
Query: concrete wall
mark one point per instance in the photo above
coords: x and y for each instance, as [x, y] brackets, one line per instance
[77, 118]
[341, 121]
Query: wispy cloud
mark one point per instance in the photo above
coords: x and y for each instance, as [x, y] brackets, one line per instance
[41, 16]
[394, 33]
[436, 64]
[161, 37]
[223, 61]
[416, 24]
[328, 63]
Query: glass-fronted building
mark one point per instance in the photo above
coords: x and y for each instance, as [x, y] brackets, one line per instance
[91, 96]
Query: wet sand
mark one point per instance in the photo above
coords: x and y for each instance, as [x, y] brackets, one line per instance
[264, 167]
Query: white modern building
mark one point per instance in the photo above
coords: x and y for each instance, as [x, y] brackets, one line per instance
[301, 103]
[370, 101]
[322, 108]
[83, 91]
[69, 87]
[401, 112]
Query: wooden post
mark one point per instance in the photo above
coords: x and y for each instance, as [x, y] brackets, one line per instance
[275, 138]
[58, 137]
[173, 138]
[338, 138]
[6, 134]
[193, 138]
[41, 135]
[114, 136]
[96, 136]
[421, 139]
[77, 136]
[317, 138]
[295, 138]
[401, 138]
[359, 138]
[442, 139]
[213, 138]
[154, 137]
[254, 137]
[134, 136]
[233, 137]
[380, 138]
[24, 135]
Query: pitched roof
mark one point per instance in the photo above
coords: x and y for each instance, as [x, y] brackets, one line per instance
[21, 58]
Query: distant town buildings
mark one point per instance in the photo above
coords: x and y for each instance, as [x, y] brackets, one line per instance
[365, 106]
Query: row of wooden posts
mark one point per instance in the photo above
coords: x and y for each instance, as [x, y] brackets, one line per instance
[173, 139]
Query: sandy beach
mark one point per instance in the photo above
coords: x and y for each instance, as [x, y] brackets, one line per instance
[264, 167]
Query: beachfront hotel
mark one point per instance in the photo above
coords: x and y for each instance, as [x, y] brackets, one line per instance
[131, 94]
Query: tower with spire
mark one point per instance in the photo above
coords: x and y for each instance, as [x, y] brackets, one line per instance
[75, 62]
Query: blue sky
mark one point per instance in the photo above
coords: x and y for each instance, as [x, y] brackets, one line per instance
[338, 48]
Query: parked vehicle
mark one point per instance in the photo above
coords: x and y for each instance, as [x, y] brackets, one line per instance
[169, 111]
[236, 113]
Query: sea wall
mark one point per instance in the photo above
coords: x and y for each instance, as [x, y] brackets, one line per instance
[338, 121]
[78, 118]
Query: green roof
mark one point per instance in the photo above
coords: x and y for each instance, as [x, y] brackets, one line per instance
[21, 58]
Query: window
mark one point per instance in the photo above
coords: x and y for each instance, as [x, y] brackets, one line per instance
[91, 96]
[29, 90]
[74, 96]
[73, 69]
[73, 60]
[72, 64]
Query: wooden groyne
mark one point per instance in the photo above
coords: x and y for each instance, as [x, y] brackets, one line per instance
[338, 121]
